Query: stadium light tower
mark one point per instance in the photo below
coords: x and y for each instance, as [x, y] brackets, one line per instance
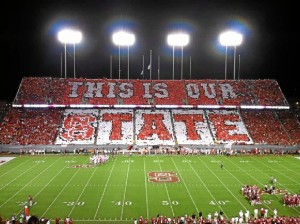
[230, 38]
[69, 36]
[178, 40]
[123, 38]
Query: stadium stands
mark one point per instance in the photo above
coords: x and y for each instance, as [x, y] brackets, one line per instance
[189, 113]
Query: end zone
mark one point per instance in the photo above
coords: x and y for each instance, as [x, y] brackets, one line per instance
[4, 160]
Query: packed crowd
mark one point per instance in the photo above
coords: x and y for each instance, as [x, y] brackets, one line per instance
[144, 127]
[261, 216]
[155, 92]
[291, 200]
[99, 159]
[252, 193]
[24, 126]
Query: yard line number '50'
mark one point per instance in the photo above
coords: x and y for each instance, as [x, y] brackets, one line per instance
[170, 203]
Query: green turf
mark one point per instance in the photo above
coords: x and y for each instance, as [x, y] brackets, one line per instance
[119, 191]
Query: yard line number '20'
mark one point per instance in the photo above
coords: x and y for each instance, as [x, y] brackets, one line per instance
[23, 203]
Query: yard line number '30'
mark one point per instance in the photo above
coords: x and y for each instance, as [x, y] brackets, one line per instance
[72, 203]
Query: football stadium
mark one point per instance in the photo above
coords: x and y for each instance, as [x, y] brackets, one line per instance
[78, 150]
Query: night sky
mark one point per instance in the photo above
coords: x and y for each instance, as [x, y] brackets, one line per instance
[30, 46]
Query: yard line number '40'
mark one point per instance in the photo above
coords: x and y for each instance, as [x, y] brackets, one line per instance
[218, 202]
[119, 203]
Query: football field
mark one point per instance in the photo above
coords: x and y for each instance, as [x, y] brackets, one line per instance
[127, 187]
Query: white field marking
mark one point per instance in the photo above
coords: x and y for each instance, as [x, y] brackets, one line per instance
[65, 186]
[82, 192]
[23, 185]
[125, 191]
[49, 180]
[279, 173]
[4, 160]
[128, 161]
[105, 186]
[253, 178]
[39, 161]
[287, 168]
[185, 185]
[15, 168]
[283, 186]
[146, 179]
[224, 184]
[244, 161]
[158, 161]
[169, 199]
[297, 157]
[188, 161]
[215, 161]
[205, 186]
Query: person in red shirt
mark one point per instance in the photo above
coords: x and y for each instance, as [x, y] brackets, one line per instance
[141, 221]
[26, 210]
[153, 220]
[262, 212]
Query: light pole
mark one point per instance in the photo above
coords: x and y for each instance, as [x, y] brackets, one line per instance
[68, 36]
[230, 38]
[178, 40]
[123, 38]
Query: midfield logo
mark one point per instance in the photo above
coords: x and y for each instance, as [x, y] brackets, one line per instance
[163, 177]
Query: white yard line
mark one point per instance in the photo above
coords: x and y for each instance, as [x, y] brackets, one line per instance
[125, 189]
[206, 187]
[286, 167]
[105, 186]
[247, 174]
[28, 183]
[66, 186]
[263, 185]
[147, 205]
[49, 182]
[185, 185]
[270, 167]
[87, 183]
[13, 171]
[224, 185]
[166, 188]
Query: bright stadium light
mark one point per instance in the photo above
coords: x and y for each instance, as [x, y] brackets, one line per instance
[123, 38]
[230, 38]
[178, 40]
[69, 36]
